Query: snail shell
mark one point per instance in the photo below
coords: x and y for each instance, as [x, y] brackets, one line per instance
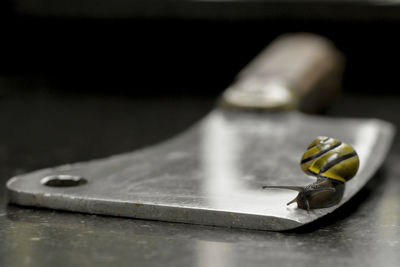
[328, 157]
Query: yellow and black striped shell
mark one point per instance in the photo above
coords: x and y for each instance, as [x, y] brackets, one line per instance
[328, 157]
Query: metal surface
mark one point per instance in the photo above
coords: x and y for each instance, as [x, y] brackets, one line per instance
[213, 173]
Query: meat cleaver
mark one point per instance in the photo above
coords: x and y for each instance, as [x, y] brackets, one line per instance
[213, 173]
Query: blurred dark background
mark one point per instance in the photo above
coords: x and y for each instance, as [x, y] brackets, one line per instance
[186, 47]
[83, 79]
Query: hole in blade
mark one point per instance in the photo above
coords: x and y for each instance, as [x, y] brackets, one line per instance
[63, 180]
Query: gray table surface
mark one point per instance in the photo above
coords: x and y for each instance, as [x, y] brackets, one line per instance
[41, 129]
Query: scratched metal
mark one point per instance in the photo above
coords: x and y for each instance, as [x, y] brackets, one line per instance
[213, 173]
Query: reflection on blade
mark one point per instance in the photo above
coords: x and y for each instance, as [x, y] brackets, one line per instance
[226, 184]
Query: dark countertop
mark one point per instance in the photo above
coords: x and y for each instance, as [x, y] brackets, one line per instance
[41, 128]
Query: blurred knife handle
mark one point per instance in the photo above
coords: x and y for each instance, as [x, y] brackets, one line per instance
[299, 71]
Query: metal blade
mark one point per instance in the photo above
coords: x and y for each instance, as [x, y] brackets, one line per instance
[213, 173]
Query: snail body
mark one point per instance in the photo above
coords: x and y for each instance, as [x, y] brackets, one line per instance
[333, 163]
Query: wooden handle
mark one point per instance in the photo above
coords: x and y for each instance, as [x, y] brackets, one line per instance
[299, 71]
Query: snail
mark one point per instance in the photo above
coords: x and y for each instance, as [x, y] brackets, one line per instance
[333, 163]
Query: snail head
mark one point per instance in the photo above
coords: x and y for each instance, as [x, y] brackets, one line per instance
[304, 199]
